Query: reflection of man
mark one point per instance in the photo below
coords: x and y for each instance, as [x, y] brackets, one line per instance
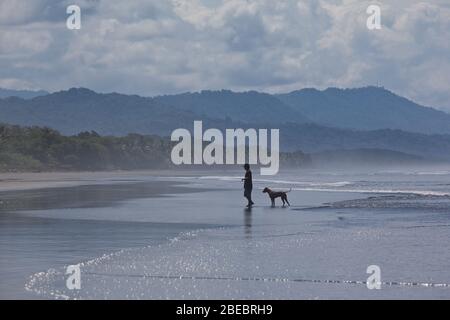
[248, 185]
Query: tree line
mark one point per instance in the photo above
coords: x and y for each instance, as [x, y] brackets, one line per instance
[44, 149]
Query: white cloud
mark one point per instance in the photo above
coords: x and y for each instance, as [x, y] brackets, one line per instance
[18, 11]
[166, 46]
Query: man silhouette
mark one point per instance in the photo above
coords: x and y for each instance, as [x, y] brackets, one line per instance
[248, 185]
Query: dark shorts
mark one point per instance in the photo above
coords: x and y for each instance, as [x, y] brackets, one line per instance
[248, 192]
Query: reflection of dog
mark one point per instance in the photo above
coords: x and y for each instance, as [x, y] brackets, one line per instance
[275, 194]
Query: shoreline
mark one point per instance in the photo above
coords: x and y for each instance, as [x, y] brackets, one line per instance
[10, 181]
[39, 180]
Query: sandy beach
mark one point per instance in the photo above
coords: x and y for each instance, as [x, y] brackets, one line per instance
[10, 181]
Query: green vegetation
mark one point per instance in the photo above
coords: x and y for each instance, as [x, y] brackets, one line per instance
[36, 149]
[45, 149]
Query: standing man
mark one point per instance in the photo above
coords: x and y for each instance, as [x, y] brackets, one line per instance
[248, 185]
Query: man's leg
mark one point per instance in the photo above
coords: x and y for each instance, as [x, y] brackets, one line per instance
[250, 202]
[247, 195]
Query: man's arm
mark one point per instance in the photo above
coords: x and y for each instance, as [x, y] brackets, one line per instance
[248, 176]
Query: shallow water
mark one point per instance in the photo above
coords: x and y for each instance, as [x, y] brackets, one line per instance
[40, 230]
[204, 244]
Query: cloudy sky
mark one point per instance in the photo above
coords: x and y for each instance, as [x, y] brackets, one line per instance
[154, 47]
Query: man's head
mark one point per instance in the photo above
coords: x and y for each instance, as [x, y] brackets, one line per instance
[246, 166]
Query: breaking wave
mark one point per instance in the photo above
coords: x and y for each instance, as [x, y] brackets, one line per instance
[282, 182]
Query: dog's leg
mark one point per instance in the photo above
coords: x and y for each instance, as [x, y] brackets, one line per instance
[273, 201]
[284, 197]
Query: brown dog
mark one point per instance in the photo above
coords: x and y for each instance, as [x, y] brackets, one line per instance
[277, 194]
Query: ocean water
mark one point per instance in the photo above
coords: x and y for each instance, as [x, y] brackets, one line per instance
[189, 236]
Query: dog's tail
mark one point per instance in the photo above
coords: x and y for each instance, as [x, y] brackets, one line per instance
[290, 189]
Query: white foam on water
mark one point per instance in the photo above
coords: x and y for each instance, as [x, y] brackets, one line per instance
[288, 182]
[312, 184]
[220, 178]
[380, 191]
[411, 173]
[328, 186]
[436, 173]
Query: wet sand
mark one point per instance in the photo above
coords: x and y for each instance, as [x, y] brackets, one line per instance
[39, 180]
[31, 243]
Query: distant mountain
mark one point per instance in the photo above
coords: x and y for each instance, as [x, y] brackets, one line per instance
[244, 107]
[313, 138]
[77, 110]
[368, 108]
[80, 109]
[24, 94]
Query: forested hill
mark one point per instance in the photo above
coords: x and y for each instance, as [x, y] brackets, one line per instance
[35, 149]
[44, 149]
